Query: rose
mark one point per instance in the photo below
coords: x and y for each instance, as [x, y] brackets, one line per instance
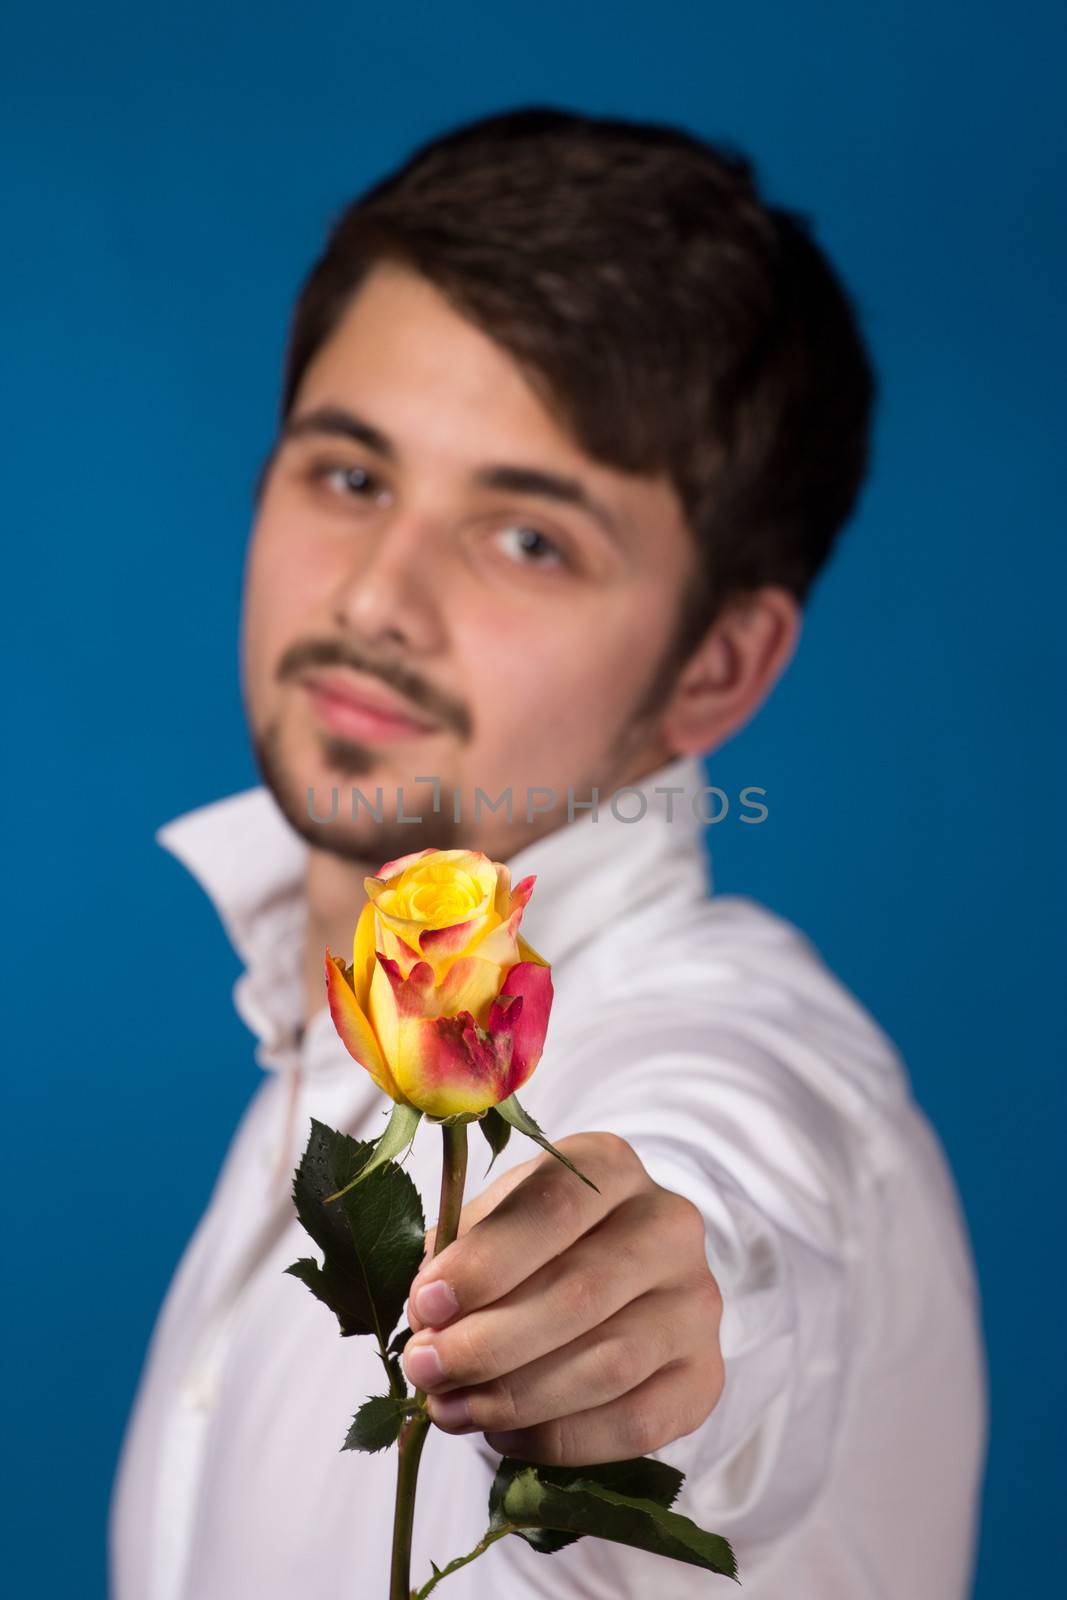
[444, 1003]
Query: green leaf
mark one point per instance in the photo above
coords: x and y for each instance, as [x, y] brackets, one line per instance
[497, 1131]
[583, 1500]
[372, 1242]
[377, 1423]
[640, 1475]
[512, 1112]
[399, 1132]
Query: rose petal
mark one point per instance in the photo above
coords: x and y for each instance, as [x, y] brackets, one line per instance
[522, 891]
[363, 954]
[354, 1028]
[502, 942]
[390, 944]
[446, 1067]
[530, 985]
[471, 985]
[441, 942]
[502, 894]
[392, 869]
[383, 1013]
[413, 995]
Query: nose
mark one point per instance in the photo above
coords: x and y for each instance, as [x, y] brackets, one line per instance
[391, 590]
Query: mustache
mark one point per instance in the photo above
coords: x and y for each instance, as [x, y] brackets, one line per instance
[332, 653]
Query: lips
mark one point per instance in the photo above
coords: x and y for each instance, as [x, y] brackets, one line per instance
[364, 695]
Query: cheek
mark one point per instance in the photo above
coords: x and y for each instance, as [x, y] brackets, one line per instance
[545, 695]
[286, 583]
[281, 563]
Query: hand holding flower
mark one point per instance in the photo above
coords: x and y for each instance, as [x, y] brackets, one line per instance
[587, 1321]
[582, 1320]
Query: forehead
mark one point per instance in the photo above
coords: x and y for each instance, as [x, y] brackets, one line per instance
[448, 396]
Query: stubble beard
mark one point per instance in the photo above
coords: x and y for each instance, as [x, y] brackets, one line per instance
[366, 840]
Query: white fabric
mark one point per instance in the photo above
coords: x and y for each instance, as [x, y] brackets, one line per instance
[845, 1456]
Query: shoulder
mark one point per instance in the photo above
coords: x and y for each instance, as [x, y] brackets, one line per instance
[717, 1036]
[723, 976]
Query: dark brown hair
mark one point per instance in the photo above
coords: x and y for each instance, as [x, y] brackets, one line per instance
[668, 318]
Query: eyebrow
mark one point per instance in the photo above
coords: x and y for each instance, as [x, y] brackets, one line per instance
[338, 422]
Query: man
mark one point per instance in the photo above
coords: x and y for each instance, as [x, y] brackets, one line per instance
[571, 420]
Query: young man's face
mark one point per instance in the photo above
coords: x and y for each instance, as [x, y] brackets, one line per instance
[522, 630]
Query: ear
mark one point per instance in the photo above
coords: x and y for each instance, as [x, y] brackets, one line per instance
[732, 671]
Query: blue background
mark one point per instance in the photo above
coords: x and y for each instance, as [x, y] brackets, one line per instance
[169, 176]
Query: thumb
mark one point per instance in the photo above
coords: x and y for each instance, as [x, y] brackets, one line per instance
[480, 1205]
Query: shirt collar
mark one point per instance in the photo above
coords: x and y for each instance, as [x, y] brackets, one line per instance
[645, 841]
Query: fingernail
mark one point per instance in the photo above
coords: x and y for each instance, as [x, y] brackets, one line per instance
[423, 1365]
[450, 1410]
[435, 1302]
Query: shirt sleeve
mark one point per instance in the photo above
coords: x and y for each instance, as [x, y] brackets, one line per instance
[726, 1121]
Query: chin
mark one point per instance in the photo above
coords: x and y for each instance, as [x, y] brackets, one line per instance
[341, 815]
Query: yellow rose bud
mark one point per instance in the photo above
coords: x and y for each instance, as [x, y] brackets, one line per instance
[444, 1004]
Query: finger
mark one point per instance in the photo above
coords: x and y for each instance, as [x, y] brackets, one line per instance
[474, 1210]
[651, 1415]
[660, 1327]
[481, 1204]
[536, 1220]
[576, 1291]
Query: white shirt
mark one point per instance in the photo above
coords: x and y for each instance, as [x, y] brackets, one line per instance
[844, 1458]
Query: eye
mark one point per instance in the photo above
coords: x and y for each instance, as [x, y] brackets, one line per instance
[348, 482]
[532, 542]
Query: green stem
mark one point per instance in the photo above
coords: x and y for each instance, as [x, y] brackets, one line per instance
[413, 1433]
[490, 1536]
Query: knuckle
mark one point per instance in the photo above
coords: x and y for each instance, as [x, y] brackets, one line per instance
[621, 1364]
[689, 1222]
[558, 1443]
[497, 1408]
[707, 1300]
[581, 1294]
[631, 1253]
[602, 1154]
[703, 1392]
[617, 1149]
[692, 1421]
[616, 1153]
[470, 1270]
[557, 1204]
[641, 1428]
[470, 1352]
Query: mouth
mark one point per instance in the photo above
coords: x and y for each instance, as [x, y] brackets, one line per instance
[350, 704]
